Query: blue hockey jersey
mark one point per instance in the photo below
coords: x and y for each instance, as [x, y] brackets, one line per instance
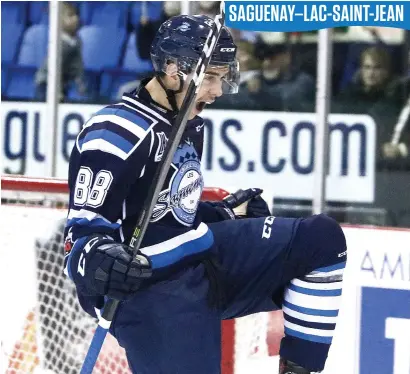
[111, 168]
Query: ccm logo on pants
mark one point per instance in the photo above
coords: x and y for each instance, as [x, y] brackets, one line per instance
[267, 227]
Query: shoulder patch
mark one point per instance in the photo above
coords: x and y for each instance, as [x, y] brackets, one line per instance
[116, 130]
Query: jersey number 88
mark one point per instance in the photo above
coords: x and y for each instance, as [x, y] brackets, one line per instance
[85, 194]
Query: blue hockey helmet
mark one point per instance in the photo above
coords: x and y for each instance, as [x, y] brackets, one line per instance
[181, 39]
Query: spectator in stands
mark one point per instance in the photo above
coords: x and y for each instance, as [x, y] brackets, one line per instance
[375, 90]
[400, 96]
[249, 65]
[72, 69]
[250, 95]
[370, 84]
[243, 35]
[277, 86]
[146, 29]
[374, 37]
[397, 155]
[206, 8]
[281, 85]
[145, 33]
[290, 87]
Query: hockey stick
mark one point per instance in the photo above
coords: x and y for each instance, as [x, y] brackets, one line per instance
[401, 123]
[178, 129]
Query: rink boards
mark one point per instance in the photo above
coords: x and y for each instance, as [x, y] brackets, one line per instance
[372, 335]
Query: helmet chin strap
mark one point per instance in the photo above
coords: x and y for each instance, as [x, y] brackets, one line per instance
[171, 93]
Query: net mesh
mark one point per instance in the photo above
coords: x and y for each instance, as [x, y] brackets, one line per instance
[55, 332]
[47, 331]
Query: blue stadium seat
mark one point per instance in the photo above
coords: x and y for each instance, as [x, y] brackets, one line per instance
[4, 78]
[101, 47]
[91, 82]
[110, 14]
[135, 14]
[104, 13]
[38, 12]
[112, 80]
[10, 41]
[86, 10]
[20, 83]
[132, 61]
[33, 48]
[154, 10]
[13, 12]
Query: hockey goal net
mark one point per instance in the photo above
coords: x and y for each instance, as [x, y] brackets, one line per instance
[44, 330]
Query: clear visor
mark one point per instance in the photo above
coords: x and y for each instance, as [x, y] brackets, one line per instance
[226, 75]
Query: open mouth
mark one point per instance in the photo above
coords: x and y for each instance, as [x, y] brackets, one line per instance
[200, 105]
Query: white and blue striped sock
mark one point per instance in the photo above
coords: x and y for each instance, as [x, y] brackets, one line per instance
[310, 308]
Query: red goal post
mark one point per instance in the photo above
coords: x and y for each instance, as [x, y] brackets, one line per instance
[245, 342]
[60, 186]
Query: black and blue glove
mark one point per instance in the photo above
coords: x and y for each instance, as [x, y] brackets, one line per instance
[103, 267]
[241, 204]
[254, 205]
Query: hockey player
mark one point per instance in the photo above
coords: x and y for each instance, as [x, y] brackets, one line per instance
[198, 263]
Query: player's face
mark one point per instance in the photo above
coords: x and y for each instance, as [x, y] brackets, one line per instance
[211, 88]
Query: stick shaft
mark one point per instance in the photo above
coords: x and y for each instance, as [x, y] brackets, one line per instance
[178, 129]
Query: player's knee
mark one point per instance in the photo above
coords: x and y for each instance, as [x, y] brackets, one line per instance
[324, 239]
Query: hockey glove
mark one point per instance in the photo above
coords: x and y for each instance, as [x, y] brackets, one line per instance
[257, 207]
[243, 203]
[247, 203]
[107, 268]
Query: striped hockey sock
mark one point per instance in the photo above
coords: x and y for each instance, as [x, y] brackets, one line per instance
[310, 308]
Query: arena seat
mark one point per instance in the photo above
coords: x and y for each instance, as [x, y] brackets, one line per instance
[132, 60]
[4, 78]
[33, 48]
[92, 84]
[112, 80]
[13, 12]
[20, 83]
[38, 12]
[102, 47]
[10, 39]
[110, 14]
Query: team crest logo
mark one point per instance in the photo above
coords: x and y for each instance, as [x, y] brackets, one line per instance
[184, 190]
[184, 27]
